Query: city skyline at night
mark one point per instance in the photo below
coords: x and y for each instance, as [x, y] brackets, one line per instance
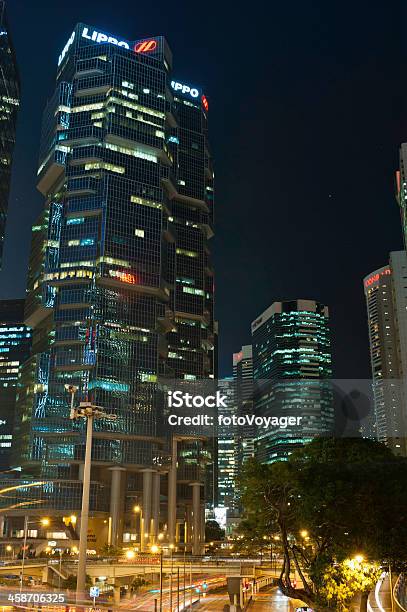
[358, 151]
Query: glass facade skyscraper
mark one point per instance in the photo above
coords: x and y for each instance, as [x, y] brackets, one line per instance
[9, 104]
[120, 288]
[15, 345]
[386, 301]
[243, 377]
[292, 368]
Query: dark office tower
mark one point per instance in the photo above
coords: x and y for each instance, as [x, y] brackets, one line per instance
[243, 377]
[9, 103]
[386, 301]
[120, 291]
[292, 368]
[15, 344]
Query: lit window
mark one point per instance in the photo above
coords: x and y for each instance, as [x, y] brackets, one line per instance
[139, 233]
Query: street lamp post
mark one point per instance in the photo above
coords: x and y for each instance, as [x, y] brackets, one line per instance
[155, 549]
[177, 589]
[139, 510]
[185, 586]
[190, 583]
[89, 412]
[24, 547]
[172, 551]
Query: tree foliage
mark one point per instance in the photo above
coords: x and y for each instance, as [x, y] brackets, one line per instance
[343, 493]
[342, 581]
[213, 531]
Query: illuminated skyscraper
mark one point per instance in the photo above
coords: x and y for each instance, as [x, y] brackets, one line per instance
[10, 101]
[243, 377]
[120, 279]
[228, 449]
[15, 344]
[386, 300]
[292, 368]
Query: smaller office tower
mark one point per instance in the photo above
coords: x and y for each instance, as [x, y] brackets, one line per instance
[292, 368]
[228, 447]
[15, 344]
[10, 101]
[243, 377]
[386, 300]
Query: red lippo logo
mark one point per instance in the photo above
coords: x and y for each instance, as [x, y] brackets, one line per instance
[145, 46]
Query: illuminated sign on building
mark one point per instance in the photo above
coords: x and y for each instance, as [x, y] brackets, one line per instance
[145, 46]
[125, 277]
[99, 37]
[66, 48]
[185, 89]
[375, 277]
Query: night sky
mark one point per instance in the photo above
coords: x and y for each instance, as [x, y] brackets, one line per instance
[307, 110]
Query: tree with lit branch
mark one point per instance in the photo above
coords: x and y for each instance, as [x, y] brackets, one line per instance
[333, 500]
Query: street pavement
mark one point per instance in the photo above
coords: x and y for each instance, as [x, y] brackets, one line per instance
[270, 600]
[380, 598]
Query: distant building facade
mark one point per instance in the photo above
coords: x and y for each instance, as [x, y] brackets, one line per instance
[15, 345]
[9, 105]
[243, 377]
[292, 368]
[386, 300]
[228, 448]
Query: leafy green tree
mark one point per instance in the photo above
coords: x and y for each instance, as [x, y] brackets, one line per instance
[213, 531]
[71, 580]
[343, 581]
[331, 500]
[108, 550]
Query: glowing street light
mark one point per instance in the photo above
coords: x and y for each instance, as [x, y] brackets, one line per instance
[304, 533]
[130, 554]
[139, 510]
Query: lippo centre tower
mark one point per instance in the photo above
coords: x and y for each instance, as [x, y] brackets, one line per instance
[120, 288]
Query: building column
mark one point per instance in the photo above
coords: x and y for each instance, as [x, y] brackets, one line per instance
[155, 519]
[116, 506]
[147, 503]
[196, 518]
[2, 520]
[189, 525]
[172, 493]
[202, 529]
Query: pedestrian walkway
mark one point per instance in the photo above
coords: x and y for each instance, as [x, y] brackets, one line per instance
[270, 599]
[379, 598]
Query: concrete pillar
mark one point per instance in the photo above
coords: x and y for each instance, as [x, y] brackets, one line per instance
[196, 518]
[189, 527]
[147, 503]
[2, 520]
[172, 493]
[116, 595]
[80, 472]
[202, 529]
[177, 533]
[116, 506]
[155, 511]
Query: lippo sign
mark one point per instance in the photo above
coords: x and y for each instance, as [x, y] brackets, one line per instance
[88, 33]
